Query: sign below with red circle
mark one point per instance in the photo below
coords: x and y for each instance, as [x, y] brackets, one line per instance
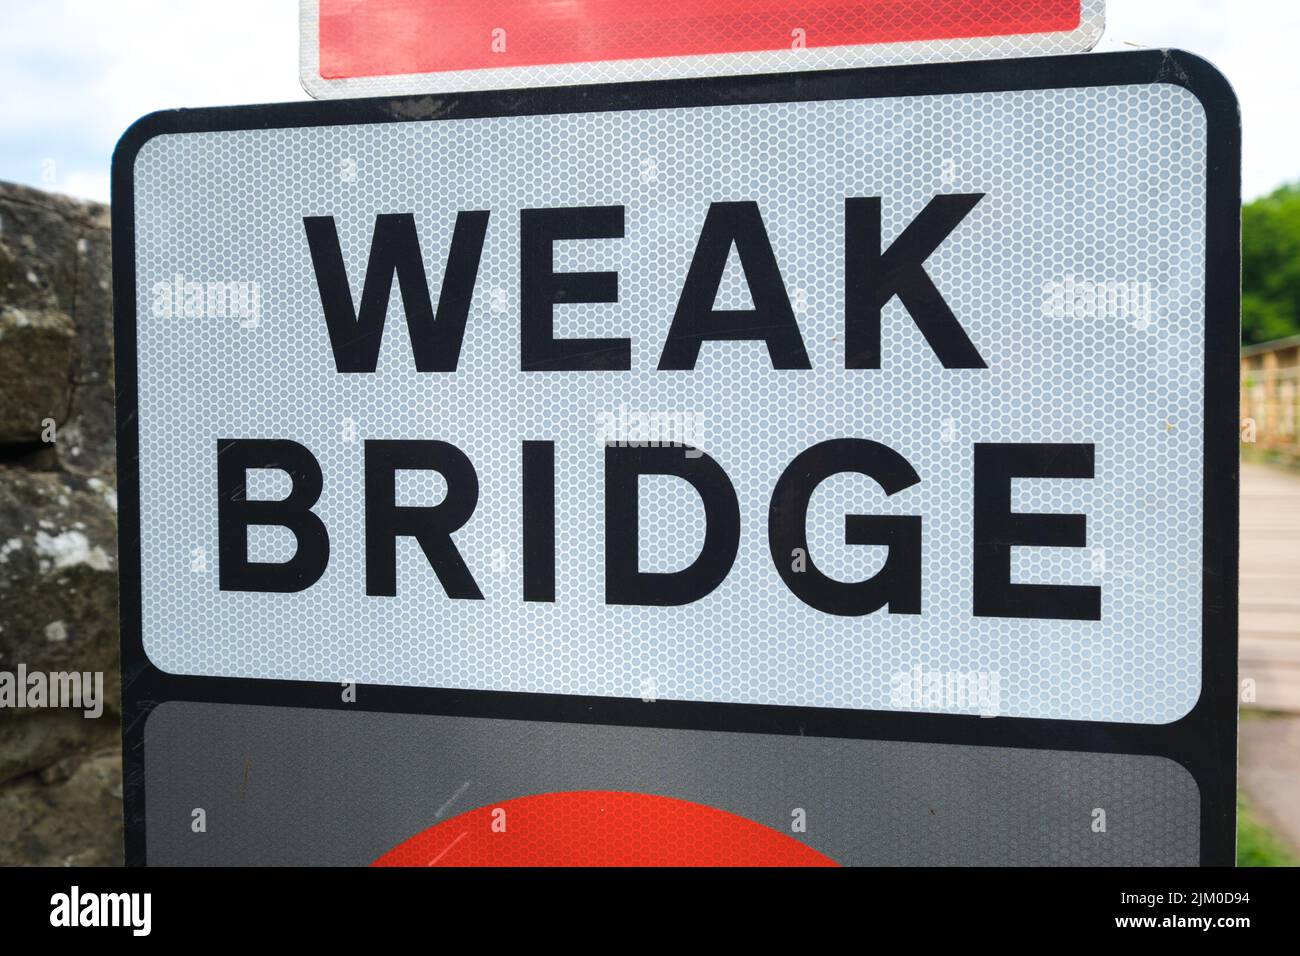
[381, 47]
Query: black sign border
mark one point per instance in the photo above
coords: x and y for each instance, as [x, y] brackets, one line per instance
[1204, 741]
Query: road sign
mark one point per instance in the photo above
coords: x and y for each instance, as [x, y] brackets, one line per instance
[386, 47]
[852, 453]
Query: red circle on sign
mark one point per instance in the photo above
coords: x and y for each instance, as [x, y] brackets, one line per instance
[601, 828]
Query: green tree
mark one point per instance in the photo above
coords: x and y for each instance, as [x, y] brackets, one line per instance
[1270, 266]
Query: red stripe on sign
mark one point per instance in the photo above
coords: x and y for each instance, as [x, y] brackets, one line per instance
[387, 37]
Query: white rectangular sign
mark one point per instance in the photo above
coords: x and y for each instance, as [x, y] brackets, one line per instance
[849, 395]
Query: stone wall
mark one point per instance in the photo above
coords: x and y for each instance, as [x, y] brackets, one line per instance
[60, 772]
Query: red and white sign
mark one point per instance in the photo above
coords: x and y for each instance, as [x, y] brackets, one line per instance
[380, 47]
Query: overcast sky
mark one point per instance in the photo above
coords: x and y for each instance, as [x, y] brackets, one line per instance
[75, 73]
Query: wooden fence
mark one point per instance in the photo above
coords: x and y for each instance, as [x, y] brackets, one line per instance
[1270, 397]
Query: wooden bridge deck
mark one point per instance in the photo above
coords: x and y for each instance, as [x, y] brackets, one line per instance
[1270, 585]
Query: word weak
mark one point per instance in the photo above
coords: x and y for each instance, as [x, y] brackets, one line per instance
[872, 278]
[897, 585]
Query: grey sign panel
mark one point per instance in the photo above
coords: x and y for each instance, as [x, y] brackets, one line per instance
[272, 782]
[890, 405]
